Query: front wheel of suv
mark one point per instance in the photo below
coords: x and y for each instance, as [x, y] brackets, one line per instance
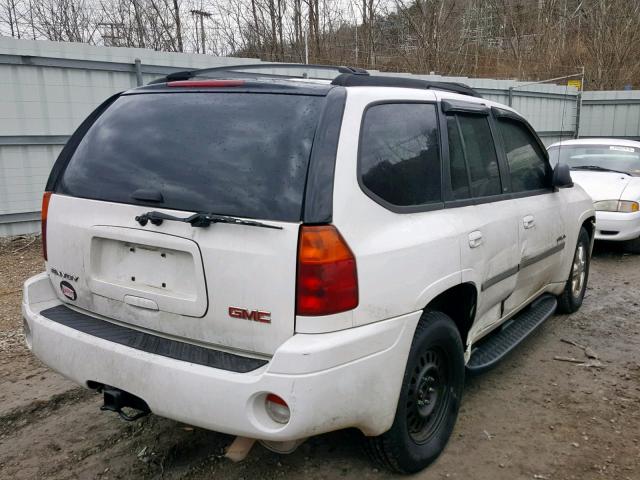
[571, 298]
[429, 399]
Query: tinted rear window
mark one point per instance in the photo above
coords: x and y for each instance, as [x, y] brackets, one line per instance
[240, 154]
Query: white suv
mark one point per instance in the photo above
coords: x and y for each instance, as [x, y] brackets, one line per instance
[276, 258]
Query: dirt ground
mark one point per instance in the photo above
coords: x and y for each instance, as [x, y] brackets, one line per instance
[532, 417]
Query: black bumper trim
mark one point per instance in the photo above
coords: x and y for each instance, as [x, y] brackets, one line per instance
[146, 342]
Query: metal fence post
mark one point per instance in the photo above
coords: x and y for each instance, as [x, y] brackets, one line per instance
[511, 96]
[579, 105]
[138, 67]
[578, 110]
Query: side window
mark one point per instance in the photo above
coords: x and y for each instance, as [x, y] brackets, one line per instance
[399, 153]
[457, 165]
[528, 168]
[481, 156]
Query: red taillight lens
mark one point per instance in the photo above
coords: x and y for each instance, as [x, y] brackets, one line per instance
[272, 397]
[206, 83]
[277, 408]
[327, 280]
[45, 212]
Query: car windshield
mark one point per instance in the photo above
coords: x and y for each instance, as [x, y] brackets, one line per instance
[615, 158]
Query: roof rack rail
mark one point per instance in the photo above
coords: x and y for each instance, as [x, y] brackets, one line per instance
[348, 80]
[347, 77]
[187, 74]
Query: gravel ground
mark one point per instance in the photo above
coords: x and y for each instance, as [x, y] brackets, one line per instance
[532, 417]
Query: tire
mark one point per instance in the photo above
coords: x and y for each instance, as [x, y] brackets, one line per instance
[420, 433]
[571, 298]
[632, 246]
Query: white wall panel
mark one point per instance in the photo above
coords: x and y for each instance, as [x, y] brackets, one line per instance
[48, 88]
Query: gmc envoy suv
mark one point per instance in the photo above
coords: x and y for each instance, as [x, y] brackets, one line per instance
[275, 256]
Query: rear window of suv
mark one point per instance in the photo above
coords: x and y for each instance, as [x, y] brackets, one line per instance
[240, 154]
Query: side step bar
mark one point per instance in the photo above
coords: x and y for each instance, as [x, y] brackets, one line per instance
[490, 351]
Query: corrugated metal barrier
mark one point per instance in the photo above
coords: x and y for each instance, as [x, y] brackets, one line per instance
[48, 88]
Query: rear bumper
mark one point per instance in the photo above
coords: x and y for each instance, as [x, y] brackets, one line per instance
[330, 381]
[617, 226]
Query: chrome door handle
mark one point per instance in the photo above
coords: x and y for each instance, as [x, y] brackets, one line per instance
[475, 239]
[529, 221]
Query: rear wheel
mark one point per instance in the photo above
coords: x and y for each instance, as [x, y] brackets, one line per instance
[571, 298]
[429, 399]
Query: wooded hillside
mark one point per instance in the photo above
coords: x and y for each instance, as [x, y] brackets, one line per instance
[523, 39]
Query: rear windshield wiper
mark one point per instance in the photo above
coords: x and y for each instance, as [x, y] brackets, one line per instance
[598, 169]
[199, 220]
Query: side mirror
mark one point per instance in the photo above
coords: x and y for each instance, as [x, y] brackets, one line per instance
[562, 176]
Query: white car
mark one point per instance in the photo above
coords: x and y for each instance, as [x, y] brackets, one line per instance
[609, 171]
[275, 258]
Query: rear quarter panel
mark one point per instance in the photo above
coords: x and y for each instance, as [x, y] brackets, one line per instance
[403, 260]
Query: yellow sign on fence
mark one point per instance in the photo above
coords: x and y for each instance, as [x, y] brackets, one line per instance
[575, 83]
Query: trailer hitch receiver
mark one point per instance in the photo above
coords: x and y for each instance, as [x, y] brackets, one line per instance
[115, 400]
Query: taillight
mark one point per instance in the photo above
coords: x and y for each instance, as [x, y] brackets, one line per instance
[45, 211]
[327, 280]
[206, 83]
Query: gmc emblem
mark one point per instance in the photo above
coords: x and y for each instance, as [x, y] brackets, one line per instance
[253, 315]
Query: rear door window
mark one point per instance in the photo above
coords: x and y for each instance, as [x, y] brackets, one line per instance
[457, 165]
[240, 154]
[480, 153]
[527, 165]
[400, 154]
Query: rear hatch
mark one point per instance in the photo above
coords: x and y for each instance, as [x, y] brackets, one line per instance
[230, 153]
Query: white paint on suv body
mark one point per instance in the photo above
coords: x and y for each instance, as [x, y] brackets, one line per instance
[211, 270]
[343, 370]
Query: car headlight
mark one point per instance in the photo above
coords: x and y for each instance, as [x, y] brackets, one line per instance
[625, 206]
[606, 206]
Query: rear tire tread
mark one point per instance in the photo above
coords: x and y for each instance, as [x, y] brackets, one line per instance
[376, 448]
[386, 449]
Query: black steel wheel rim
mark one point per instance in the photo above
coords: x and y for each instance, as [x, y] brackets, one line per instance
[428, 395]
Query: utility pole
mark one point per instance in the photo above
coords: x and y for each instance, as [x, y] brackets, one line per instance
[33, 27]
[201, 14]
[11, 20]
[176, 10]
[136, 11]
[12, 6]
[356, 44]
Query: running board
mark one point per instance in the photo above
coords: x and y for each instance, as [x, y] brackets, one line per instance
[490, 351]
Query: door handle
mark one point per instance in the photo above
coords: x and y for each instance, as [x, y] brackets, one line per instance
[475, 239]
[529, 221]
